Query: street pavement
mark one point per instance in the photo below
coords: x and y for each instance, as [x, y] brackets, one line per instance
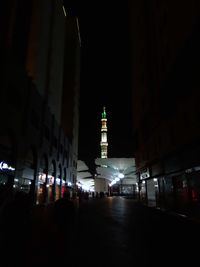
[108, 231]
[120, 231]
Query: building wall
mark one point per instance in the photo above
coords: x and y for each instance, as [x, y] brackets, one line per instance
[46, 51]
[101, 185]
[71, 86]
[160, 93]
[33, 139]
[165, 84]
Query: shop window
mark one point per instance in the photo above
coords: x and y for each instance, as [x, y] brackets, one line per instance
[194, 181]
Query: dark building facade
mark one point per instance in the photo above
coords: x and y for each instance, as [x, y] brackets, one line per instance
[39, 99]
[166, 91]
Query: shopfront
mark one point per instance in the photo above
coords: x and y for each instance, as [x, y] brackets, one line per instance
[143, 176]
[41, 188]
[64, 183]
[51, 182]
[174, 191]
[152, 191]
[7, 172]
[58, 186]
[26, 175]
[42, 181]
[7, 166]
[193, 180]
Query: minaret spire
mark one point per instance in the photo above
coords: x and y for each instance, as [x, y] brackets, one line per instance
[104, 143]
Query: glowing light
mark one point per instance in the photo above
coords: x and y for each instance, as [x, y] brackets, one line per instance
[64, 11]
[42, 178]
[4, 166]
[121, 175]
[104, 113]
[112, 183]
[58, 180]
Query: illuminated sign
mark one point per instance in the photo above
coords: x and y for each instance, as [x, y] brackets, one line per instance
[5, 166]
[144, 173]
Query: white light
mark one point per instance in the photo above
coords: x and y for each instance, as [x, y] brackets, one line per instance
[4, 166]
[155, 179]
[112, 183]
[121, 175]
[85, 187]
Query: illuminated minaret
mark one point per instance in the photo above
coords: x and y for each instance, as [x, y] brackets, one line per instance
[104, 143]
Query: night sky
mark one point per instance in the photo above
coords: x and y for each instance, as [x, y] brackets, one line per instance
[105, 79]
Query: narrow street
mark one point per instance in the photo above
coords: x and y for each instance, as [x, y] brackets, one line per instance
[111, 231]
[119, 231]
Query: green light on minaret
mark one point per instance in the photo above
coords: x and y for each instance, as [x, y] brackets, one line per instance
[103, 114]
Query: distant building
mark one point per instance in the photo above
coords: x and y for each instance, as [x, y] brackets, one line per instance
[120, 176]
[114, 175]
[166, 93]
[40, 54]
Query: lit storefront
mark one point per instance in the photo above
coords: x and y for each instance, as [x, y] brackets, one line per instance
[7, 173]
[50, 188]
[24, 182]
[58, 188]
[64, 184]
[45, 189]
[7, 166]
[179, 191]
[41, 188]
[58, 184]
[64, 187]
